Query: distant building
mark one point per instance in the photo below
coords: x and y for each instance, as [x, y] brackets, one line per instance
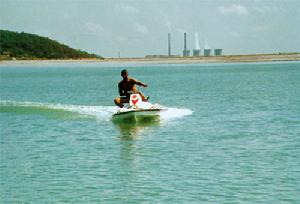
[196, 51]
[207, 52]
[218, 52]
[162, 56]
[185, 52]
[169, 44]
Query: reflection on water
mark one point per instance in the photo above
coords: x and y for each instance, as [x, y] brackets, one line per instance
[132, 128]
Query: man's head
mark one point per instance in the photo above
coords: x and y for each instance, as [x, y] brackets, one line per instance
[124, 74]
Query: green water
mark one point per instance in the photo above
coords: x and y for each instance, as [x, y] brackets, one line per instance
[231, 134]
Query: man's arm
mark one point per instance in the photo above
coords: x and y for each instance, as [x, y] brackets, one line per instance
[139, 83]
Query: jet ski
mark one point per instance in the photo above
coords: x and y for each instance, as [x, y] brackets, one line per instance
[138, 109]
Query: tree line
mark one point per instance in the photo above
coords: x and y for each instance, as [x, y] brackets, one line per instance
[30, 46]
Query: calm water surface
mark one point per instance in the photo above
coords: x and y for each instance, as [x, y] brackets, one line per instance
[231, 134]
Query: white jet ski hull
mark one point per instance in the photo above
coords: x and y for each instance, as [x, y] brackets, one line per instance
[138, 110]
[135, 116]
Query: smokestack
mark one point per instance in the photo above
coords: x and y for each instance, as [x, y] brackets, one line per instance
[185, 42]
[169, 44]
[186, 52]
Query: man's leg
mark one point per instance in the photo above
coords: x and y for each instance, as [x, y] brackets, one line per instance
[118, 102]
[142, 96]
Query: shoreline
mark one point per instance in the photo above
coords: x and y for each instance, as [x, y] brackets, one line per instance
[173, 60]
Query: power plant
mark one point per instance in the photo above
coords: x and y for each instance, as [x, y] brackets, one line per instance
[207, 51]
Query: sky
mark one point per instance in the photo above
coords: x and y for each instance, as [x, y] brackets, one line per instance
[136, 28]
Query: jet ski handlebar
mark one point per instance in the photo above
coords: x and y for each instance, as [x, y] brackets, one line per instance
[130, 92]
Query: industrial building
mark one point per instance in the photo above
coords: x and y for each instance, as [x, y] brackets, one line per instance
[207, 52]
[196, 53]
[196, 50]
[169, 44]
[218, 52]
[185, 52]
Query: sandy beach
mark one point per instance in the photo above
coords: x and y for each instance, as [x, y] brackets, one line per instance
[174, 60]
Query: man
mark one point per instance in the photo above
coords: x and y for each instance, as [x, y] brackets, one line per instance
[126, 86]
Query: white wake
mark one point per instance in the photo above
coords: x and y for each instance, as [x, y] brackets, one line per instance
[103, 113]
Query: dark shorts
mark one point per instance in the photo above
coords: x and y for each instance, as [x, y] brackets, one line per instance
[124, 99]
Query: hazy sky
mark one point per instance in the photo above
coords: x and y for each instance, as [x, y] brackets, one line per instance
[140, 27]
